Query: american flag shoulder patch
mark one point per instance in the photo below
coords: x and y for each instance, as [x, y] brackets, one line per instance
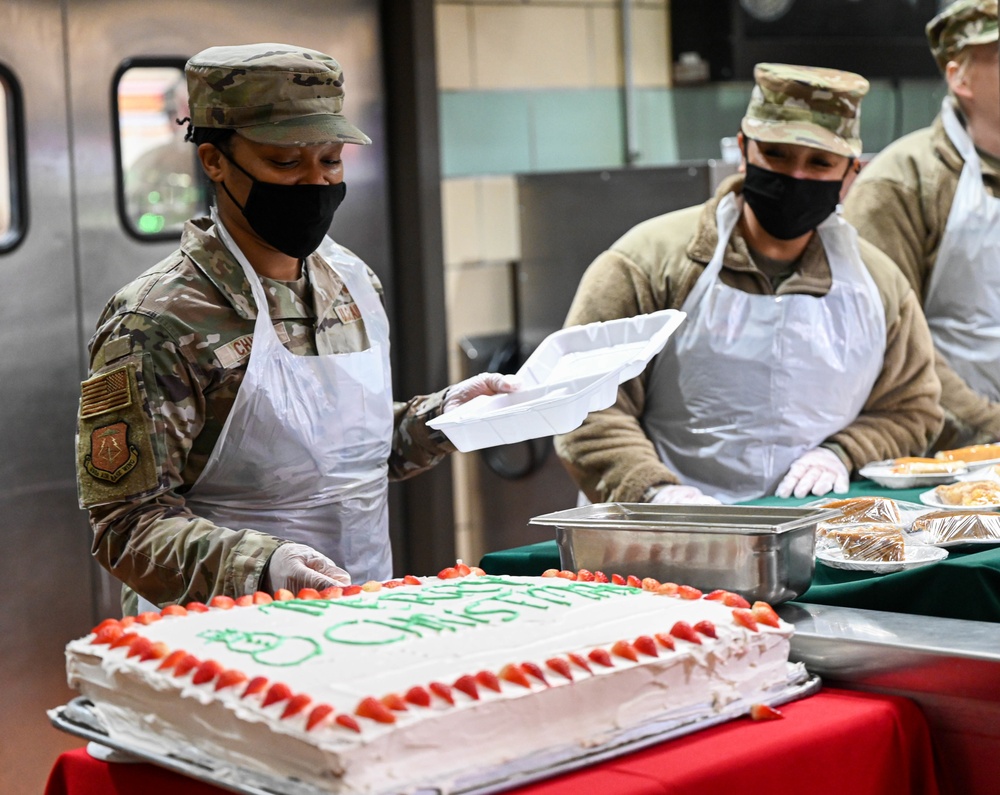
[106, 392]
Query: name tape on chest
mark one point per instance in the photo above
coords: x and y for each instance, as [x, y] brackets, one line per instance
[348, 313]
[236, 351]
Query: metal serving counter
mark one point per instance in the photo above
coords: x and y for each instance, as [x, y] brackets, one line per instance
[950, 667]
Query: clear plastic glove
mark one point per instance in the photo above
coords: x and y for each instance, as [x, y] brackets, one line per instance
[681, 495]
[296, 566]
[816, 472]
[482, 384]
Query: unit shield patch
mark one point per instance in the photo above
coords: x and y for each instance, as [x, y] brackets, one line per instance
[111, 456]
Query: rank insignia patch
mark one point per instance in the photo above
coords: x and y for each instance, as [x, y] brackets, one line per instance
[111, 456]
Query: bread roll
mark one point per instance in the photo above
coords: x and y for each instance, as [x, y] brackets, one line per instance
[976, 452]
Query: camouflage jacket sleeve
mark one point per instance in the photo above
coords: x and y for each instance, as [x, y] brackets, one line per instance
[416, 447]
[140, 417]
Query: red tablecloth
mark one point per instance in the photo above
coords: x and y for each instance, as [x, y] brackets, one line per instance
[834, 742]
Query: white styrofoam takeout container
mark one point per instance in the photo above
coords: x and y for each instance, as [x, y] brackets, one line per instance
[573, 372]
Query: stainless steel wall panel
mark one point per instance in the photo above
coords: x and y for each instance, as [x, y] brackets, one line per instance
[45, 570]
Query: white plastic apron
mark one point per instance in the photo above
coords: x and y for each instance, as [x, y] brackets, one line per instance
[750, 382]
[304, 452]
[962, 303]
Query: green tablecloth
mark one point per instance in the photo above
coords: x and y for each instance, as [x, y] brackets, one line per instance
[964, 585]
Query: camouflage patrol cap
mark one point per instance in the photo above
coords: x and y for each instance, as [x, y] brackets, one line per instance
[961, 25]
[271, 93]
[806, 105]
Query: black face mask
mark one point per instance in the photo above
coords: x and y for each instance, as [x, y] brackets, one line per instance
[788, 207]
[292, 218]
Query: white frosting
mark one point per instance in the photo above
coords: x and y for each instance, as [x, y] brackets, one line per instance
[341, 651]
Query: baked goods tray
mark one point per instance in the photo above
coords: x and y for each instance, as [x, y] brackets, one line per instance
[79, 718]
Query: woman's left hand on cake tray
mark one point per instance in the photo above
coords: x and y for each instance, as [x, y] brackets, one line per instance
[296, 566]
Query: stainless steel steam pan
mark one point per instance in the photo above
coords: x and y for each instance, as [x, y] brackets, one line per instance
[759, 552]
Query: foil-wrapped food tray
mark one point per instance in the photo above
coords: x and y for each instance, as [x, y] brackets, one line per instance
[79, 718]
[760, 552]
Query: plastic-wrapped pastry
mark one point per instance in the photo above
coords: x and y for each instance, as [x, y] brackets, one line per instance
[944, 526]
[969, 493]
[864, 509]
[976, 452]
[872, 541]
[927, 466]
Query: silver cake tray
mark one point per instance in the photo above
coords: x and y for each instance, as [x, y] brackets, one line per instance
[79, 718]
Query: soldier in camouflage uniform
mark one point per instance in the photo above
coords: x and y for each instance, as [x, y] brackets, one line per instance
[185, 505]
[804, 354]
[931, 201]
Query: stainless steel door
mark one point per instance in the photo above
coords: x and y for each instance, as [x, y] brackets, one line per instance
[76, 253]
[45, 573]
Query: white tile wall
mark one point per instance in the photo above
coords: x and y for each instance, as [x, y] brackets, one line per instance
[530, 46]
[651, 47]
[453, 39]
[509, 44]
[606, 46]
[498, 219]
[477, 299]
[460, 221]
[480, 240]
[615, 3]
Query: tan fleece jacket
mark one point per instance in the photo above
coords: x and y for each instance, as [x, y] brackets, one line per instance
[900, 202]
[655, 265]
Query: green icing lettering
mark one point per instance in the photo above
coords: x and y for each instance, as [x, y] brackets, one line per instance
[489, 607]
[465, 621]
[378, 632]
[589, 590]
[372, 633]
[266, 648]
[555, 596]
[486, 600]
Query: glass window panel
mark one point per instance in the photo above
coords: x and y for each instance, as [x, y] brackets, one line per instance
[11, 171]
[5, 180]
[160, 184]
